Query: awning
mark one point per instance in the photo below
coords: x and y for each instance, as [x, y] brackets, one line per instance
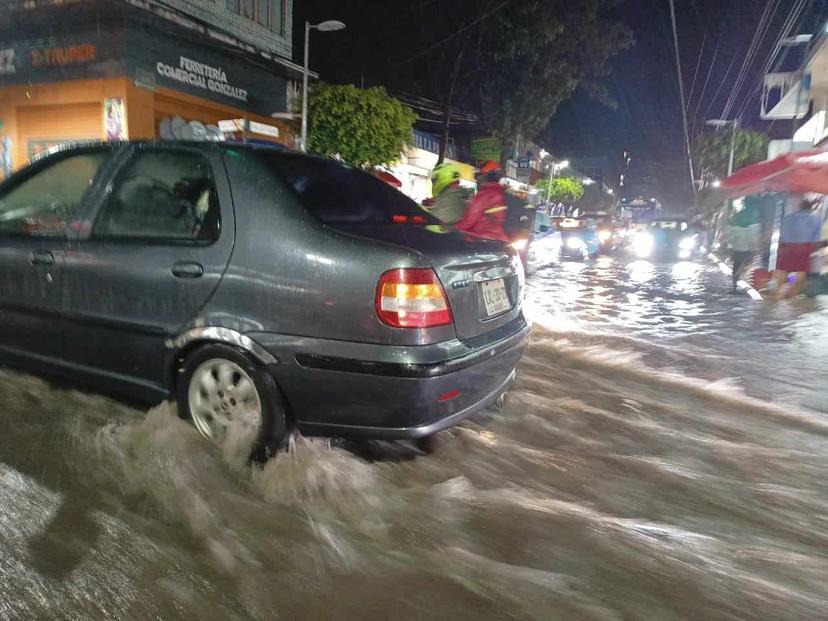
[800, 172]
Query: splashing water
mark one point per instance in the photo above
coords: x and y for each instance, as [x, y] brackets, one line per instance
[633, 473]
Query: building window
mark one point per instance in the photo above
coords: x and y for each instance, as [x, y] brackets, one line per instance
[268, 13]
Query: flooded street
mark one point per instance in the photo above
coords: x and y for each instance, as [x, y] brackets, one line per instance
[662, 456]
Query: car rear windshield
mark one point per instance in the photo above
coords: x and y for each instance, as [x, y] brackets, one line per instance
[339, 194]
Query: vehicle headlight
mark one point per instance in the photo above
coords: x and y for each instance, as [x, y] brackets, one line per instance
[688, 243]
[642, 244]
[520, 244]
[604, 236]
[574, 243]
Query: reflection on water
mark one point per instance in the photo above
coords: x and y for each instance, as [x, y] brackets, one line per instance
[636, 472]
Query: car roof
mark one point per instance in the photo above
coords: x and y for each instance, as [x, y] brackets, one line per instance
[204, 144]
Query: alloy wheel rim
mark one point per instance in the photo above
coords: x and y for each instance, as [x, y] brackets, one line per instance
[222, 394]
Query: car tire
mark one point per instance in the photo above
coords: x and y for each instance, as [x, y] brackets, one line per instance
[220, 360]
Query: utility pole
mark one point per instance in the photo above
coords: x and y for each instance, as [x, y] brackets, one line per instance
[681, 94]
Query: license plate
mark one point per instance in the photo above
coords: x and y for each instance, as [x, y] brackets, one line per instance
[495, 298]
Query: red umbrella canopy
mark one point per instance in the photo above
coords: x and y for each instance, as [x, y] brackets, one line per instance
[389, 178]
[800, 172]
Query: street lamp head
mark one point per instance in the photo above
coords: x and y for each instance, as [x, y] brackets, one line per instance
[720, 122]
[329, 25]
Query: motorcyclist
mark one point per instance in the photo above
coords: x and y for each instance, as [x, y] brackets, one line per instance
[486, 212]
[449, 202]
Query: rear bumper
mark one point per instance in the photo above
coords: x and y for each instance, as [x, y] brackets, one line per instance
[340, 395]
[417, 430]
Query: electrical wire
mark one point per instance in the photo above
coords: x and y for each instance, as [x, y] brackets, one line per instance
[793, 18]
[758, 36]
[457, 32]
[706, 80]
[696, 72]
[722, 82]
[714, 99]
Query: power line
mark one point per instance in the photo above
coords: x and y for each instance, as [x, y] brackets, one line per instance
[460, 30]
[696, 72]
[707, 79]
[755, 42]
[681, 94]
[718, 90]
[792, 19]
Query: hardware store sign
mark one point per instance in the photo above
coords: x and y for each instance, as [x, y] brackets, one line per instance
[200, 75]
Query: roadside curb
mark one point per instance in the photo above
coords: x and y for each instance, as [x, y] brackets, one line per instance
[741, 285]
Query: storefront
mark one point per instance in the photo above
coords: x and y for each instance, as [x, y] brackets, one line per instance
[132, 81]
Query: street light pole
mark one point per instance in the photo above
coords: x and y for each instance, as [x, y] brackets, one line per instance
[734, 125]
[556, 166]
[303, 139]
[326, 26]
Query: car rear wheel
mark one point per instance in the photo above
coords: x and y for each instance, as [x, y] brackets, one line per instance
[224, 390]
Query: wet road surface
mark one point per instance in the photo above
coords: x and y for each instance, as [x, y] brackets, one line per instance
[662, 456]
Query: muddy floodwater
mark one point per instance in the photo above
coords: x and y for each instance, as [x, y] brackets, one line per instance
[663, 455]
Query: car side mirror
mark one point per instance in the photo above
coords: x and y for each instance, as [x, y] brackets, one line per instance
[544, 228]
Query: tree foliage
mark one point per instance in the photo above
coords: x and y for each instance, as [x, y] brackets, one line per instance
[509, 62]
[363, 128]
[563, 189]
[711, 154]
[712, 150]
[540, 52]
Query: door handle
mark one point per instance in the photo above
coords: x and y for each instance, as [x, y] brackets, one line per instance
[187, 270]
[41, 257]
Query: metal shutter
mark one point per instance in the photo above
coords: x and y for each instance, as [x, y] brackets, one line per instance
[40, 127]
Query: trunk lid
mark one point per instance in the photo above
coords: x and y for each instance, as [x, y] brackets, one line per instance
[474, 272]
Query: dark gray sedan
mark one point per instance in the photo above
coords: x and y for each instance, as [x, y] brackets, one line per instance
[255, 284]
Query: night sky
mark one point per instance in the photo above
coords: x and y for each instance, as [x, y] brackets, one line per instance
[714, 38]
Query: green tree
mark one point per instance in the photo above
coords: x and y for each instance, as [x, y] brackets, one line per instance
[363, 128]
[712, 150]
[538, 53]
[508, 63]
[563, 189]
[711, 153]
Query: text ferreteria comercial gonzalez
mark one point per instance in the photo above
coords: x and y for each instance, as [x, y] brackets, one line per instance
[202, 76]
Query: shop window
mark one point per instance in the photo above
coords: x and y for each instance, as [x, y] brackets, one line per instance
[164, 196]
[47, 201]
[268, 13]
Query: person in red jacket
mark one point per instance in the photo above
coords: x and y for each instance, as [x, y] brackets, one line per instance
[486, 212]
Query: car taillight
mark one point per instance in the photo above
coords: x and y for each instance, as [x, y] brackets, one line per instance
[403, 219]
[412, 298]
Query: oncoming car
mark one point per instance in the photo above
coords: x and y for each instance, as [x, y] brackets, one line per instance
[665, 238]
[579, 240]
[254, 285]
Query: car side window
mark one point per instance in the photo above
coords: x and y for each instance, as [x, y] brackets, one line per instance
[162, 196]
[44, 203]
